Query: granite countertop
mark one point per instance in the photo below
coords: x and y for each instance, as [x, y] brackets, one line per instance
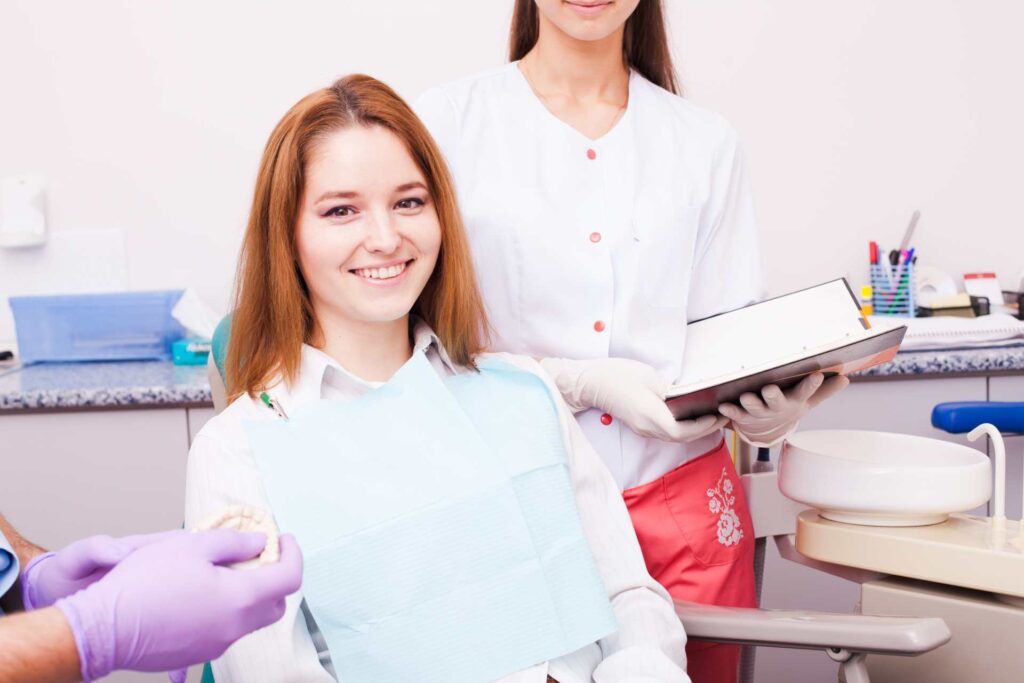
[984, 361]
[69, 386]
[86, 386]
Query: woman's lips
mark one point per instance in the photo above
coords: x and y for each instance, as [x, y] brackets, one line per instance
[588, 9]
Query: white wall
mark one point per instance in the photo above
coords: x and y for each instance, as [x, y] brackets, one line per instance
[148, 118]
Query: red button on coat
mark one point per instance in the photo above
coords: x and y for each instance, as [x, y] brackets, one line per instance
[595, 237]
[591, 154]
[606, 419]
[599, 326]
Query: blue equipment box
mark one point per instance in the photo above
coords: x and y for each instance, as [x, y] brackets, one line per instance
[96, 327]
[191, 351]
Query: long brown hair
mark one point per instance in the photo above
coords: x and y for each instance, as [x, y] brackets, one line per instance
[644, 45]
[273, 312]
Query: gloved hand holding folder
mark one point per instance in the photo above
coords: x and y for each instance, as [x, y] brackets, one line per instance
[628, 390]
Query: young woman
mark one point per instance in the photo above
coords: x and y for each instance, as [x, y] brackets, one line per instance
[604, 212]
[434, 489]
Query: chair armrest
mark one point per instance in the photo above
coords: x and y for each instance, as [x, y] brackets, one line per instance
[812, 630]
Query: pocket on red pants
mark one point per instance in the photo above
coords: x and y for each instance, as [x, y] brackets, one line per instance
[706, 501]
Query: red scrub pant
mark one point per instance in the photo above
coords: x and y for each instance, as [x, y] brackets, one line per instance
[697, 538]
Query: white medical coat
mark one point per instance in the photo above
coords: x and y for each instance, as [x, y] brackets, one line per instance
[600, 248]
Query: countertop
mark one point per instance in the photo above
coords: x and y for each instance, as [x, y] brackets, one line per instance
[71, 386]
[89, 386]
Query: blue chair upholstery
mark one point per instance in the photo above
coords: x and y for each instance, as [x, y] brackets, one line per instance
[962, 417]
[219, 344]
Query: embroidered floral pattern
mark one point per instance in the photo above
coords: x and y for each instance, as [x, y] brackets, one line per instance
[720, 503]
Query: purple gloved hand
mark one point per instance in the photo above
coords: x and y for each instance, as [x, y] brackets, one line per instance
[52, 576]
[170, 604]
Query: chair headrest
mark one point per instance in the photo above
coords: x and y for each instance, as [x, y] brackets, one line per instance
[219, 344]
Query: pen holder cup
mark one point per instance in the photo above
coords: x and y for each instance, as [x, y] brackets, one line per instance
[893, 288]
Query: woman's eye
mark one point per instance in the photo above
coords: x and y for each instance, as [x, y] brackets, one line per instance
[339, 212]
[410, 203]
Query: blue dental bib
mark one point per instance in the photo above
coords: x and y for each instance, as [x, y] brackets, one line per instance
[438, 524]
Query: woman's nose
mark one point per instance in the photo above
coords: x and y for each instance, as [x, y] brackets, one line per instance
[382, 235]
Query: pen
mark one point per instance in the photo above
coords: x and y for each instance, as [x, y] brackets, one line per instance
[273, 405]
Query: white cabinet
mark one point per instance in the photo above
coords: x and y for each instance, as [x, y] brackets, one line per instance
[65, 476]
[69, 475]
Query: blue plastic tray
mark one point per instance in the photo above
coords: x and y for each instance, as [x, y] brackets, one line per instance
[96, 327]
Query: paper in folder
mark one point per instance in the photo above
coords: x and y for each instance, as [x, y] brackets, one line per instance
[778, 341]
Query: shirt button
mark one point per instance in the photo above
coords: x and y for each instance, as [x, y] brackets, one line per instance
[606, 419]
[591, 154]
[595, 237]
[599, 326]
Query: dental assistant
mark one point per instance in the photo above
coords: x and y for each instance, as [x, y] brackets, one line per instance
[604, 213]
[155, 602]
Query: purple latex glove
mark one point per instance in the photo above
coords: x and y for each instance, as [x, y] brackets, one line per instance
[170, 604]
[52, 576]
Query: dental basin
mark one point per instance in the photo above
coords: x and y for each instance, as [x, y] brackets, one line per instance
[882, 479]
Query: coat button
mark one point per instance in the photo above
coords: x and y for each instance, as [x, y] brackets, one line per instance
[591, 154]
[606, 419]
[599, 326]
[595, 237]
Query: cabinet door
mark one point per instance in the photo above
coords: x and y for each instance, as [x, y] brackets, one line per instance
[1011, 389]
[888, 405]
[69, 475]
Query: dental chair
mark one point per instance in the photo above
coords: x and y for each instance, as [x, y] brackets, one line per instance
[845, 638]
[961, 417]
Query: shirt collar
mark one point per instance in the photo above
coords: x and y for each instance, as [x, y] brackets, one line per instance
[317, 369]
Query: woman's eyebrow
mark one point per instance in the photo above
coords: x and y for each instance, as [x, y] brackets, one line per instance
[336, 195]
[410, 186]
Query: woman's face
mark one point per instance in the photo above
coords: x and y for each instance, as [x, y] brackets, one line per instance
[587, 19]
[368, 235]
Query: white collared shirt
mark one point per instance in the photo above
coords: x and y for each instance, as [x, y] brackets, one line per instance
[650, 641]
[600, 248]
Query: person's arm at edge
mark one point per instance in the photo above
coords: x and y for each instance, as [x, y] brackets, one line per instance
[38, 646]
[26, 551]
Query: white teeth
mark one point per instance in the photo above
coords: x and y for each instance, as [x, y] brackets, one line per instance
[381, 273]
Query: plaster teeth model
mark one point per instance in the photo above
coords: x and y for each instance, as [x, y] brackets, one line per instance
[246, 518]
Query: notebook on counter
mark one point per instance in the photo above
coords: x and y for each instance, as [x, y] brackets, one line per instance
[779, 341]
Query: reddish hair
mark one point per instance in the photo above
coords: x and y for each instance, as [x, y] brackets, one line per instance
[273, 313]
[644, 45]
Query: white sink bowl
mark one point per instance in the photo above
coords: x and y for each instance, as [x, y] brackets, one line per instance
[882, 479]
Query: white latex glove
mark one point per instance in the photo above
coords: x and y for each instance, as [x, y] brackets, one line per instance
[628, 390]
[764, 421]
